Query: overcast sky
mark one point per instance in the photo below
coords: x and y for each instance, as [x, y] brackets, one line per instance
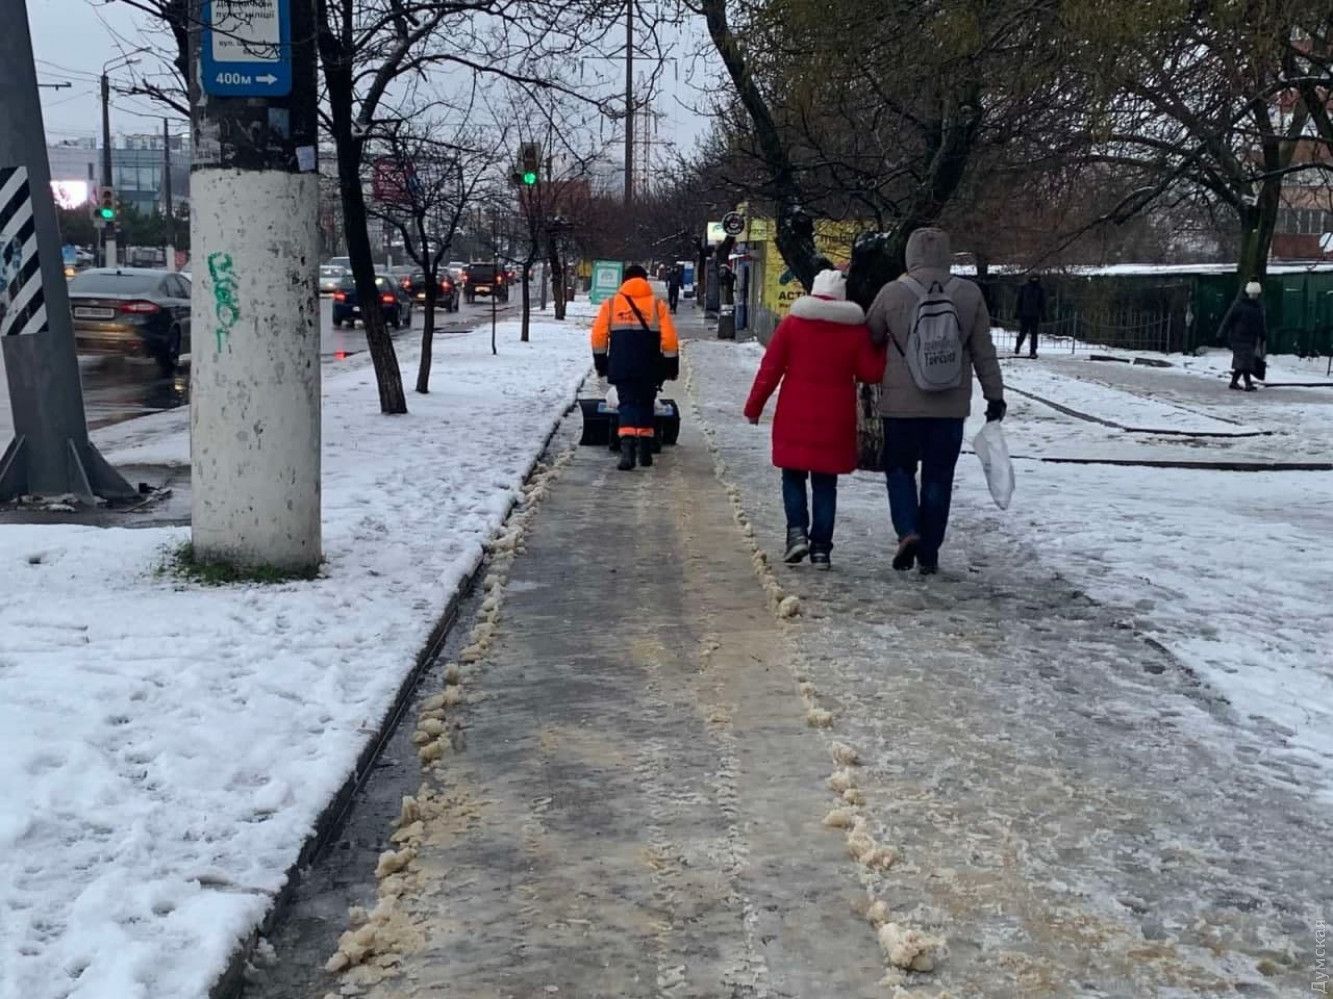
[73, 39]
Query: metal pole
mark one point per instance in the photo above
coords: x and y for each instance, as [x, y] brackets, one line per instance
[166, 196]
[629, 103]
[50, 453]
[109, 255]
[255, 376]
[495, 273]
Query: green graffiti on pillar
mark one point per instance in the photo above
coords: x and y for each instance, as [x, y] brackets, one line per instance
[225, 308]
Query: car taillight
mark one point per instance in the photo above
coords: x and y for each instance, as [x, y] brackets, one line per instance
[387, 299]
[340, 296]
[140, 308]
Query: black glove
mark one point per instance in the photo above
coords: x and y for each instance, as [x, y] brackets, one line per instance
[601, 363]
[995, 410]
[670, 369]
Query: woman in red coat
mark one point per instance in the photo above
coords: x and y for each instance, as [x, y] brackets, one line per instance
[818, 353]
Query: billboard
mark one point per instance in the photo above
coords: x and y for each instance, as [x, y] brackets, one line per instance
[71, 193]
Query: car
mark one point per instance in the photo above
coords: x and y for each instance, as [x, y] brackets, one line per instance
[486, 278]
[330, 276]
[395, 303]
[344, 262]
[447, 298]
[132, 310]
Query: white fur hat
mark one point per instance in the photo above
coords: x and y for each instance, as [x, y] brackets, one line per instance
[1254, 289]
[830, 284]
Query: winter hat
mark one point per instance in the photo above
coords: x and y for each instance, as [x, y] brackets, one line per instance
[831, 285]
[1254, 289]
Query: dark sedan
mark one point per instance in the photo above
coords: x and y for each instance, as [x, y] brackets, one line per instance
[132, 310]
[395, 303]
[447, 298]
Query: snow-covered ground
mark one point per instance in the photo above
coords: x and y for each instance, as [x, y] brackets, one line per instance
[165, 748]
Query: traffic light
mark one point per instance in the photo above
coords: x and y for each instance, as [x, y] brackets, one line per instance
[529, 163]
[104, 208]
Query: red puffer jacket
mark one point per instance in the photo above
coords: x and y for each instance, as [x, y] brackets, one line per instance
[818, 353]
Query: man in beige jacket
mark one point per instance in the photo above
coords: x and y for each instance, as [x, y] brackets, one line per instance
[921, 426]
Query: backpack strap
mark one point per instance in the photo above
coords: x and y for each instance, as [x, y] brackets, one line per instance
[917, 288]
[638, 315]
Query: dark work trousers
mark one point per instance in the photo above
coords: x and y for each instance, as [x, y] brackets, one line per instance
[637, 401]
[824, 492]
[673, 298]
[934, 444]
[1027, 328]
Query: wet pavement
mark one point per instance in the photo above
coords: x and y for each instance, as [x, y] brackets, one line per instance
[116, 389]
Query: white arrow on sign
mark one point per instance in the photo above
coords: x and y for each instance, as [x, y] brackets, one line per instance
[268, 79]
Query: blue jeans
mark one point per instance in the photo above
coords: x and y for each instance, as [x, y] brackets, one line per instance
[824, 491]
[934, 443]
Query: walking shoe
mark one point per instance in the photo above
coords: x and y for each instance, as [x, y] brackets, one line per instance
[905, 557]
[627, 449]
[1234, 386]
[1251, 388]
[798, 545]
[646, 452]
[928, 568]
[820, 559]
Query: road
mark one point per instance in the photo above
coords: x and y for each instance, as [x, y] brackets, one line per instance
[117, 389]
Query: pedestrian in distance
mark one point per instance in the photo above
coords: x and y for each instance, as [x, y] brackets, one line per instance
[818, 353]
[1031, 314]
[937, 329]
[1245, 329]
[673, 281]
[634, 347]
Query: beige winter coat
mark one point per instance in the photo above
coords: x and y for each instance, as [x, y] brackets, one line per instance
[928, 259]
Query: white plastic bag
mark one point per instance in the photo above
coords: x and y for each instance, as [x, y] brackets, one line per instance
[994, 454]
[612, 399]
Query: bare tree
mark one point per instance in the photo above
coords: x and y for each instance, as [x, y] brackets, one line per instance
[438, 181]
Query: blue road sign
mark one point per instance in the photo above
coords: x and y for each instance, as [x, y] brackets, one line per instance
[247, 48]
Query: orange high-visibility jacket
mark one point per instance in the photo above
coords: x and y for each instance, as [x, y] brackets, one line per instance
[623, 349]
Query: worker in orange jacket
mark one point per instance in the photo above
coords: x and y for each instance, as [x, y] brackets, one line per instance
[634, 346]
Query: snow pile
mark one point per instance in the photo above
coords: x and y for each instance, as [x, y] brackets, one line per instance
[165, 749]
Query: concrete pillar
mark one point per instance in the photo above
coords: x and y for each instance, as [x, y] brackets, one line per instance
[255, 372]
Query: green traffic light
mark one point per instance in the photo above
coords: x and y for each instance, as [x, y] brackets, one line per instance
[529, 177]
[107, 213]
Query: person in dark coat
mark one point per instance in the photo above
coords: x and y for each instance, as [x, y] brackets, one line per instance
[673, 280]
[1031, 313]
[818, 353]
[1246, 330]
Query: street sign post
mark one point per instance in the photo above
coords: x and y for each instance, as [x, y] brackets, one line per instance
[607, 276]
[246, 49]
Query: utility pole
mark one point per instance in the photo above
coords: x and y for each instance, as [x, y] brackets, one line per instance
[166, 196]
[629, 103]
[109, 233]
[50, 454]
[255, 377]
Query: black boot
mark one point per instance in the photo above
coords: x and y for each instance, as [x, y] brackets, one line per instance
[646, 452]
[1235, 381]
[798, 545]
[627, 449]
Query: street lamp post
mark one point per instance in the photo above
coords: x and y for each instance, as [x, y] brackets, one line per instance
[109, 254]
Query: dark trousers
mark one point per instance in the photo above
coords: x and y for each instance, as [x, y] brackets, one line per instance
[637, 401]
[1027, 328]
[673, 298]
[934, 444]
[824, 492]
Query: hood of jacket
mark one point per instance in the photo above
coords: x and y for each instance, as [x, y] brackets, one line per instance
[829, 310]
[929, 249]
[637, 287]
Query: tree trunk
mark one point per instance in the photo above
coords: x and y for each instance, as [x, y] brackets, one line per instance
[1257, 223]
[427, 333]
[387, 375]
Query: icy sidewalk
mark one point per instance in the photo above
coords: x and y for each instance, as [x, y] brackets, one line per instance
[166, 748]
[1099, 739]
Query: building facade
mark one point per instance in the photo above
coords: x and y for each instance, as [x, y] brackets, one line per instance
[138, 166]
